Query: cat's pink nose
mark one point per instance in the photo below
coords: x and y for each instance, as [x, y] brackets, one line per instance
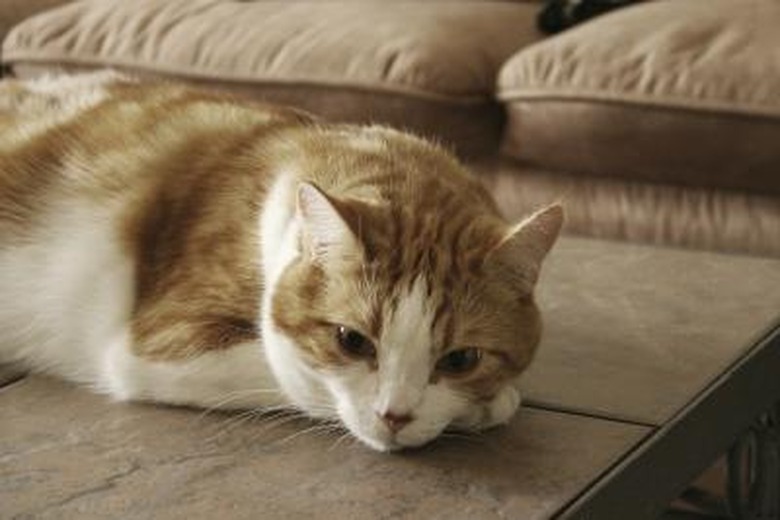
[396, 421]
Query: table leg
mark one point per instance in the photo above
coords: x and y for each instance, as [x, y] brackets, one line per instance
[754, 470]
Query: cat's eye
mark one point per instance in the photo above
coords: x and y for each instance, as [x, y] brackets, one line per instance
[459, 362]
[354, 343]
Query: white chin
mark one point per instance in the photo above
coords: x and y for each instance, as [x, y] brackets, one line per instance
[392, 445]
[403, 440]
[387, 443]
[374, 442]
[383, 446]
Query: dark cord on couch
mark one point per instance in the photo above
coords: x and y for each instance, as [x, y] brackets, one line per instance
[559, 15]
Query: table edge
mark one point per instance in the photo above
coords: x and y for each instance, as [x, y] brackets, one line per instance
[639, 485]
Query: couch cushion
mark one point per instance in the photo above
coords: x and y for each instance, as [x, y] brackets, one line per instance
[14, 11]
[683, 91]
[634, 211]
[351, 61]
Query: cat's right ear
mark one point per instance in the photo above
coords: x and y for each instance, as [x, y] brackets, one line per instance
[526, 245]
[326, 235]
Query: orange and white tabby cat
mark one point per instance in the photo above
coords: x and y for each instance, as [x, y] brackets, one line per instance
[164, 244]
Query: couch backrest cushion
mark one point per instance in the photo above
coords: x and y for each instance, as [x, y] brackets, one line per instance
[353, 61]
[684, 91]
[14, 11]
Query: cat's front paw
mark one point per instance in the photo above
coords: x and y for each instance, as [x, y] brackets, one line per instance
[502, 408]
[497, 411]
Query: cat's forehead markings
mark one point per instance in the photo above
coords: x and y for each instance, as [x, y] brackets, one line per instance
[409, 319]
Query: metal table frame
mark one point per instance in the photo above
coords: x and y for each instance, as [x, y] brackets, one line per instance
[736, 413]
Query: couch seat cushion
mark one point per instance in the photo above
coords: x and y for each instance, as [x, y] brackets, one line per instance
[406, 63]
[683, 91]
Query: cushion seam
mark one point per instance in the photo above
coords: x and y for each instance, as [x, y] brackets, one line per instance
[669, 102]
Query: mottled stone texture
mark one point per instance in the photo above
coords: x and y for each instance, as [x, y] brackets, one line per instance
[67, 453]
[637, 332]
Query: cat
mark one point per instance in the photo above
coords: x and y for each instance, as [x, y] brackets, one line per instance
[163, 243]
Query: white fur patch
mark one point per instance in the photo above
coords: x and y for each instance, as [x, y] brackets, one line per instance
[234, 378]
[404, 358]
[367, 141]
[49, 101]
[279, 231]
[74, 84]
[71, 289]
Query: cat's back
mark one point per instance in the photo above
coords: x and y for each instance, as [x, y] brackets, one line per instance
[94, 139]
[100, 176]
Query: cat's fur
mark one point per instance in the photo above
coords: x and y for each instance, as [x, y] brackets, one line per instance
[165, 244]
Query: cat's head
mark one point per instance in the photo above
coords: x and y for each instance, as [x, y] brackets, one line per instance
[412, 316]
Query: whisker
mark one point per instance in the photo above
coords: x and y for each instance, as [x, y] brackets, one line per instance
[267, 418]
[234, 396]
[233, 422]
[270, 415]
[317, 428]
[277, 422]
[346, 436]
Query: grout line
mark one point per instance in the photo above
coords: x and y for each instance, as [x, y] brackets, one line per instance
[541, 405]
[9, 378]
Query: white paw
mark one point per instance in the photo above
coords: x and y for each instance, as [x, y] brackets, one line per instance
[502, 408]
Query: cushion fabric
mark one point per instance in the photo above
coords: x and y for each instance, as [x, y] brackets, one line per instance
[680, 91]
[442, 55]
[634, 211]
[14, 11]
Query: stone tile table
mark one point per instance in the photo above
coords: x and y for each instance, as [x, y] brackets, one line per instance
[654, 361]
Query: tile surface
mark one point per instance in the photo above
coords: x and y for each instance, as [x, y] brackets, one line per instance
[636, 331]
[66, 453]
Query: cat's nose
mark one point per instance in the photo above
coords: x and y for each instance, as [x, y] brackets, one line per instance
[395, 421]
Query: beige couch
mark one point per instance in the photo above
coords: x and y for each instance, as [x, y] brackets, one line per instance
[658, 123]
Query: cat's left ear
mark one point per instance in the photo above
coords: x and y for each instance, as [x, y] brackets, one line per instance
[326, 234]
[523, 249]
